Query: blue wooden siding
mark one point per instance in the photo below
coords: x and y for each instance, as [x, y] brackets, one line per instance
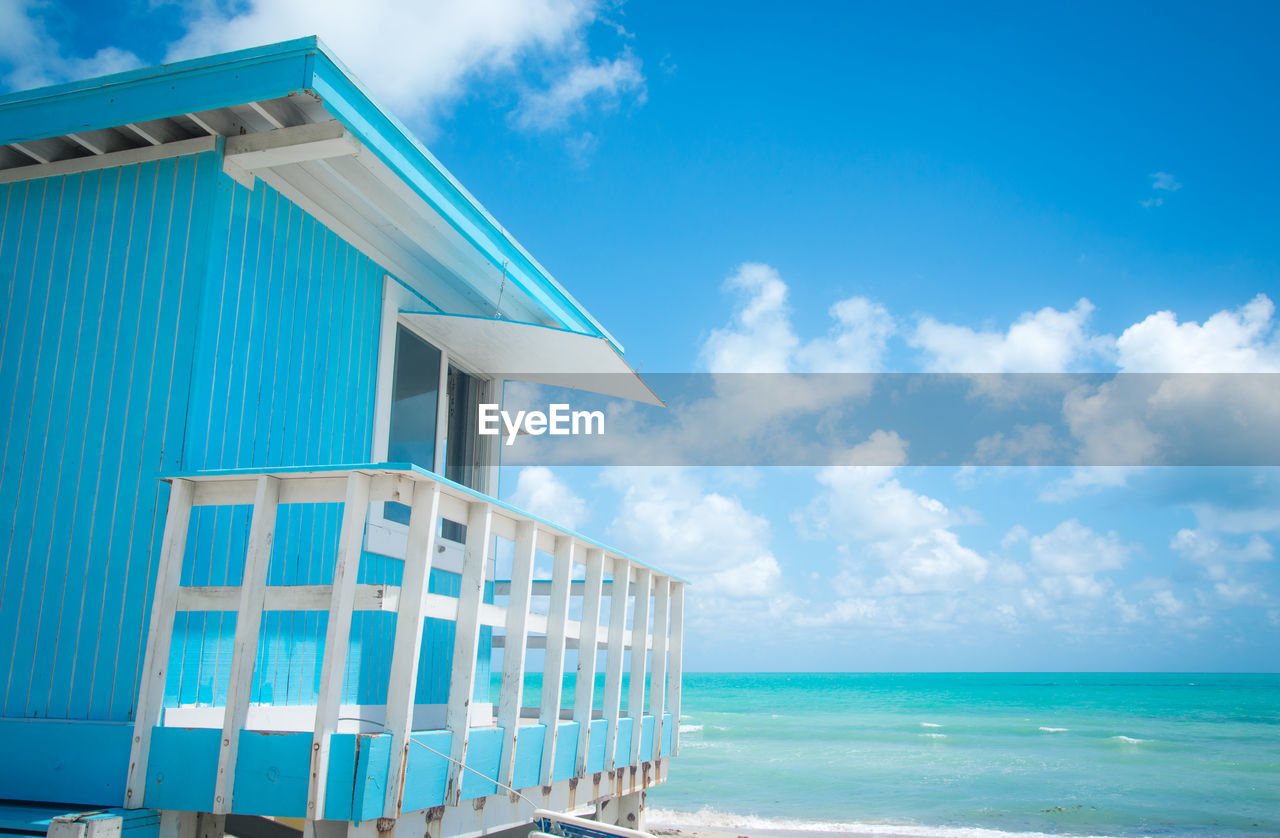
[157, 318]
[101, 309]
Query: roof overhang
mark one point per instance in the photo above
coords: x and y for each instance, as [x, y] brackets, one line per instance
[515, 351]
[291, 115]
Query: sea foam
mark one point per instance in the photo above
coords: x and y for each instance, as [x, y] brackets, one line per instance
[1128, 740]
[713, 820]
[1055, 729]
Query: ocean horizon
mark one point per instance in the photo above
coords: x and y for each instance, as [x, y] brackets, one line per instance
[976, 754]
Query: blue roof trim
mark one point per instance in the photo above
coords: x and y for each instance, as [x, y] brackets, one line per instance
[410, 467]
[274, 71]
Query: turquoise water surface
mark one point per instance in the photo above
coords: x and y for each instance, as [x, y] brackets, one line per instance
[960, 754]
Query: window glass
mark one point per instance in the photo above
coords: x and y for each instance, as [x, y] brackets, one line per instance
[414, 408]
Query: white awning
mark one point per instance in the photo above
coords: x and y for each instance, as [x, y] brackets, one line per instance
[540, 354]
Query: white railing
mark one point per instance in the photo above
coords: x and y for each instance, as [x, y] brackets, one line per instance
[430, 499]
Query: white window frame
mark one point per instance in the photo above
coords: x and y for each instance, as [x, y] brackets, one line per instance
[383, 535]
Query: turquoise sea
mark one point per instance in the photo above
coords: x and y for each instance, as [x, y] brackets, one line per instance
[977, 754]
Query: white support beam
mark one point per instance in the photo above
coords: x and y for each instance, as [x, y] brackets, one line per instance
[284, 146]
[675, 671]
[511, 694]
[639, 636]
[87, 144]
[148, 136]
[658, 669]
[553, 666]
[584, 694]
[346, 570]
[406, 651]
[462, 682]
[30, 152]
[248, 625]
[106, 161]
[618, 595]
[155, 661]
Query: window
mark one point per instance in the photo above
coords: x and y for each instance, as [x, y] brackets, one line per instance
[414, 435]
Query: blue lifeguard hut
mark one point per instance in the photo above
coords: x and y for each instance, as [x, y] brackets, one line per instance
[254, 575]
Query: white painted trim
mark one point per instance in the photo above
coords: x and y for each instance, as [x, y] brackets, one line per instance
[155, 664]
[285, 146]
[639, 636]
[511, 693]
[346, 570]
[658, 667]
[619, 593]
[466, 643]
[675, 663]
[407, 646]
[553, 661]
[128, 157]
[244, 655]
[584, 691]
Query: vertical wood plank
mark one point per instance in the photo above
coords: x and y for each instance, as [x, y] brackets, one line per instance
[253, 592]
[658, 670]
[619, 592]
[584, 693]
[155, 665]
[512, 691]
[639, 639]
[346, 570]
[462, 682]
[407, 649]
[553, 667]
[675, 671]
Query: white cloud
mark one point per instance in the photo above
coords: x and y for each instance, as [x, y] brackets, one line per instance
[1236, 341]
[711, 538]
[540, 491]
[603, 82]
[759, 337]
[1160, 182]
[903, 533]
[1208, 549]
[37, 59]
[1072, 549]
[1044, 341]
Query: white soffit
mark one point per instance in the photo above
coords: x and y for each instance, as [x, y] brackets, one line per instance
[540, 354]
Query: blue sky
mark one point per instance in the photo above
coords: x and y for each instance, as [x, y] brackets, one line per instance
[712, 179]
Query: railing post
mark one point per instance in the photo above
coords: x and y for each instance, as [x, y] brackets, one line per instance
[619, 592]
[253, 592]
[676, 671]
[639, 642]
[553, 667]
[588, 640]
[155, 662]
[511, 695]
[658, 671]
[466, 642]
[407, 649]
[346, 571]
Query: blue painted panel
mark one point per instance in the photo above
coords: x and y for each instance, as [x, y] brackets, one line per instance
[99, 323]
[668, 728]
[426, 773]
[528, 768]
[371, 777]
[484, 754]
[272, 774]
[182, 769]
[622, 749]
[566, 757]
[595, 745]
[646, 738]
[80, 761]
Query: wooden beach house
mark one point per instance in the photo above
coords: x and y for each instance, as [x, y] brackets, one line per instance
[254, 574]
